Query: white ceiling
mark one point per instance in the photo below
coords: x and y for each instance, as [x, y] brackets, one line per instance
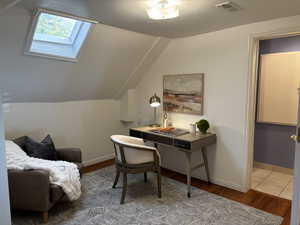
[196, 16]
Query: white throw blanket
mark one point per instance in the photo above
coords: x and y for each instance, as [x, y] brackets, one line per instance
[62, 173]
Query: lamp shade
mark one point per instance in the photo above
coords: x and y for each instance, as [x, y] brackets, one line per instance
[154, 101]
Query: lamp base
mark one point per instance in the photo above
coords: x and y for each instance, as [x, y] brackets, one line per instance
[154, 125]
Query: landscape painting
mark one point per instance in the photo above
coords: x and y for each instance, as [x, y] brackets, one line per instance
[184, 93]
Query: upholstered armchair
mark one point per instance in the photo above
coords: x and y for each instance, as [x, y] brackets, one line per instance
[31, 190]
[133, 156]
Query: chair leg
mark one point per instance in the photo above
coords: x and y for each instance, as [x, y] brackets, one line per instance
[45, 217]
[116, 179]
[124, 187]
[145, 177]
[159, 182]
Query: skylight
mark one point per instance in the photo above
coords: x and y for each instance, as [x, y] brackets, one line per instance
[57, 36]
[56, 29]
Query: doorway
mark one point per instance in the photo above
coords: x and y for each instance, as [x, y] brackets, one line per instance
[251, 117]
[276, 116]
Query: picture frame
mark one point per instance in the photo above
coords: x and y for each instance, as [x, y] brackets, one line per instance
[183, 93]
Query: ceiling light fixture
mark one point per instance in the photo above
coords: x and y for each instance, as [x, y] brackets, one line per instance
[163, 9]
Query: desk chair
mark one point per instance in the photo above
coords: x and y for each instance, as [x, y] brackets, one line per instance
[133, 156]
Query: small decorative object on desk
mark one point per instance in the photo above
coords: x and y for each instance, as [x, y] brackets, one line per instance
[165, 120]
[203, 126]
[193, 128]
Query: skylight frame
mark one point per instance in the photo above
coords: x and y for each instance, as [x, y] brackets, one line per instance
[30, 37]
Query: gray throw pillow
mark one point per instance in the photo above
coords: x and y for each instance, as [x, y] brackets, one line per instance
[44, 150]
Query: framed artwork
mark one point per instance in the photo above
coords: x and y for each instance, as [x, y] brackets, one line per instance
[183, 93]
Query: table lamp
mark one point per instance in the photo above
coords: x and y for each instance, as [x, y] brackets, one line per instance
[154, 102]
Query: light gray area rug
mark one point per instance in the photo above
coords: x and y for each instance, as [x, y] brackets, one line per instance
[99, 205]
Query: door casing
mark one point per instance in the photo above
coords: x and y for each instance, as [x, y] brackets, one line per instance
[252, 93]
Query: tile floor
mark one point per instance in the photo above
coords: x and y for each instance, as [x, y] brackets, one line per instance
[271, 182]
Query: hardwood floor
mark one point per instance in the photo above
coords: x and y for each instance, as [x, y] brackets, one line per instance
[98, 166]
[262, 201]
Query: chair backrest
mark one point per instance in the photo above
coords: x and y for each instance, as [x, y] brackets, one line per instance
[131, 150]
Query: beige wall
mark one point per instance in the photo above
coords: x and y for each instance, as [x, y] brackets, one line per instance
[223, 56]
[84, 124]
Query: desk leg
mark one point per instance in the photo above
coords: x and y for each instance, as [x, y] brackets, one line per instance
[188, 173]
[203, 150]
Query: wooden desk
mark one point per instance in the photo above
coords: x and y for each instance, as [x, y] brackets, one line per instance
[186, 143]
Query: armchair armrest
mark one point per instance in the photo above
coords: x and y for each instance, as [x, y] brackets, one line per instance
[69, 154]
[29, 189]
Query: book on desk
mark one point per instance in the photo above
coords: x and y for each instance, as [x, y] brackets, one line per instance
[170, 131]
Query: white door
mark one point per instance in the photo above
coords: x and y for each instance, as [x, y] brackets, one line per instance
[295, 219]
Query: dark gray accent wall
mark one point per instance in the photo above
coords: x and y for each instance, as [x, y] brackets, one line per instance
[272, 143]
[289, 44]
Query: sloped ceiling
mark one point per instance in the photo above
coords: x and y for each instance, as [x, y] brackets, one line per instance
[107, 60]
[196, 16]
[6, 4]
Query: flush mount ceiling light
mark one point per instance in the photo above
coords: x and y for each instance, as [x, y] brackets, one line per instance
[163, 9]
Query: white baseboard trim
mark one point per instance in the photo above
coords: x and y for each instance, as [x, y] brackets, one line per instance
[98, 159]
[213, 180]
[227, 184]
[275, 168]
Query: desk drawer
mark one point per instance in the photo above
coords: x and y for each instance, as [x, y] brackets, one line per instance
[135, 133]
[157, 139]
[182, 144]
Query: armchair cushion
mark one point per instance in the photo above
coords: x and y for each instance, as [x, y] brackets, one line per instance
[135, 150]
[134, 156]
